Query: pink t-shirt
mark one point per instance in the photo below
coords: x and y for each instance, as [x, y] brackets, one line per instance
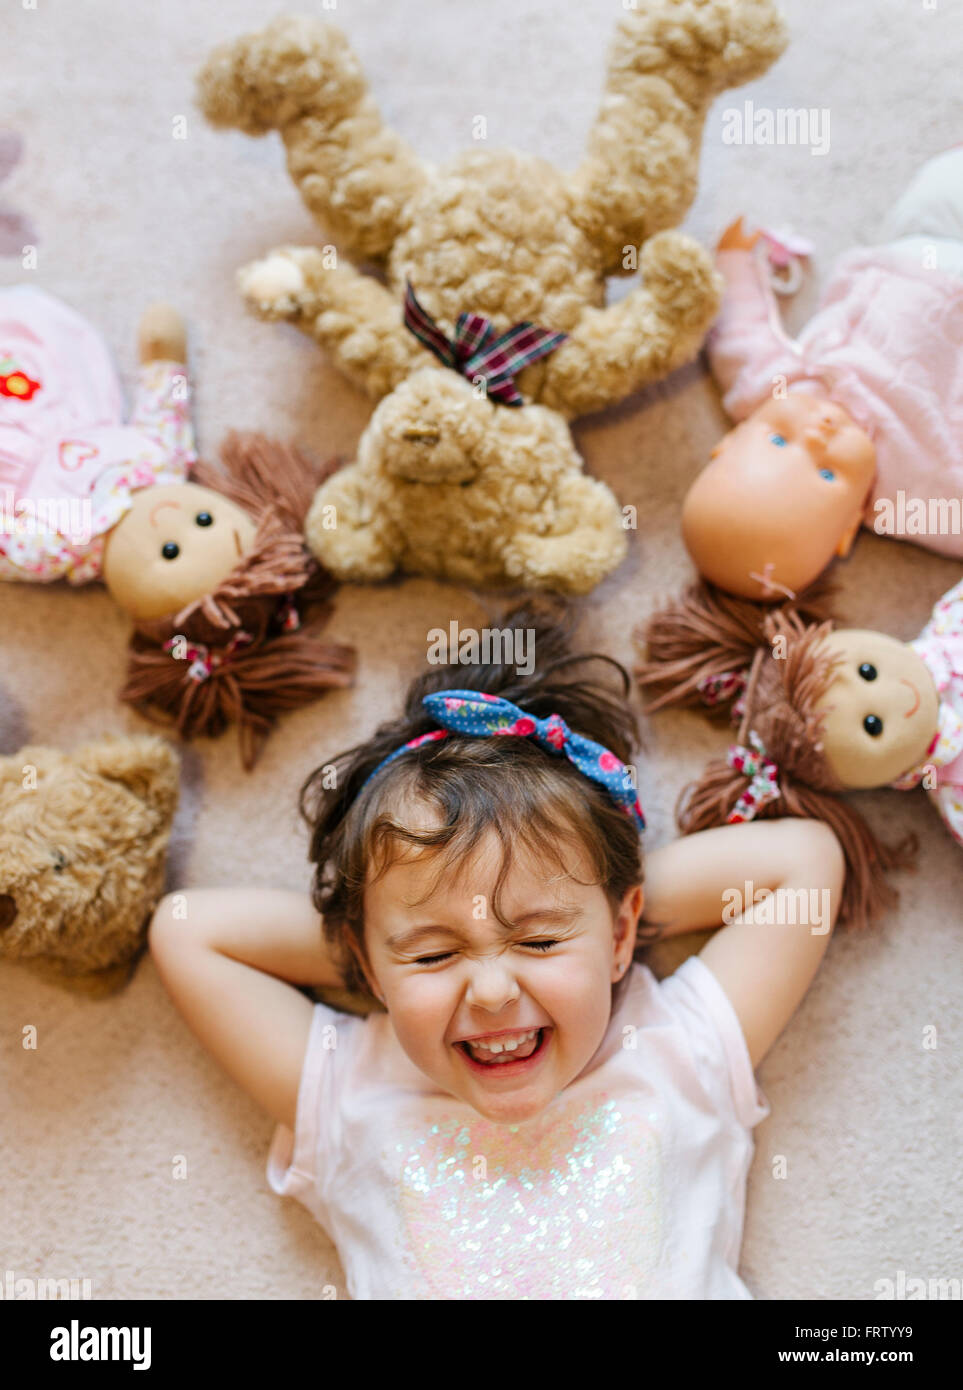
[631, 1184]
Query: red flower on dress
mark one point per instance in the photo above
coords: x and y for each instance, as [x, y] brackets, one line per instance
[18, 386]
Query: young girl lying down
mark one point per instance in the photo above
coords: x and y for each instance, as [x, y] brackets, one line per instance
[531, 1114]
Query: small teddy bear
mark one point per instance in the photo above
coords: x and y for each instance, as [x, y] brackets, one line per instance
[495, 264]
[83, 840]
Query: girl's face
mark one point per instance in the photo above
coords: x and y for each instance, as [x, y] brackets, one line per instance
[503, 1019]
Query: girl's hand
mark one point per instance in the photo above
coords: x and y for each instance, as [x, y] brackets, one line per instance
[736, 238]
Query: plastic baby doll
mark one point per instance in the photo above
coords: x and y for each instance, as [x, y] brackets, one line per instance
[866, 404]
[533, 1115]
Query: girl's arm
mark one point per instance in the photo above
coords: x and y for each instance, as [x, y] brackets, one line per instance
[224, 955]
[776, 885]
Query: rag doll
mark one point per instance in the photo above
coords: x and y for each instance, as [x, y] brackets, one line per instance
[495, 266]
[214, 572]
[858, 422]
[822, 710]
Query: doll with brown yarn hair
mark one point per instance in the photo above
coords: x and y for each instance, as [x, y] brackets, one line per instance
[239, 654]
[822, 710]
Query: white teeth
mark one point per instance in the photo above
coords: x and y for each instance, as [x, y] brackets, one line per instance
[506, 1044]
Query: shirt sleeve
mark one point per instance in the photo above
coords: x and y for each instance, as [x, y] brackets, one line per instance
[747, 346]
[702, 1008]
[296, 1165]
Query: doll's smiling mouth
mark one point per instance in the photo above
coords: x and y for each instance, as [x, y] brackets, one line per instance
[912, 687]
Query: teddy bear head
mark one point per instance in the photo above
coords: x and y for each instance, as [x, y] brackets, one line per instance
[83, 838]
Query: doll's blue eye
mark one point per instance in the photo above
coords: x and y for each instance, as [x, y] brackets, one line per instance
[777, 439]
[828, 474]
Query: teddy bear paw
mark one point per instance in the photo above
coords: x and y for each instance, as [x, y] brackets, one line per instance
[273, 286]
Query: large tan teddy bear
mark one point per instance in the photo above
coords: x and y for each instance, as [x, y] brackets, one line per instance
[450, 480]
[83, 842]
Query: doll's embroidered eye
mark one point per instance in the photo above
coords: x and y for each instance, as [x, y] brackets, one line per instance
[170, 550]
[204, 519]
[868, 671]
[828, 474]
[873, 725]
[777, 439]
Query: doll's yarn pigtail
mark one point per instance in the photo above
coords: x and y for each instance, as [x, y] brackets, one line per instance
[698, 648]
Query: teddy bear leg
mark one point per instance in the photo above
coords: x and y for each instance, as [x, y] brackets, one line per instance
[300, 76]
[351, 315]
[346, 532]
[668, 61]
[585, 540]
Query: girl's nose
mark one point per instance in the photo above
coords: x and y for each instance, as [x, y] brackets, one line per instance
[491, 984]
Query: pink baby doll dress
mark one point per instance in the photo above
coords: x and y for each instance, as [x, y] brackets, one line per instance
[940, 646]
[68, 463]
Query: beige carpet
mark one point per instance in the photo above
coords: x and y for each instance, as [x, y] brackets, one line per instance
[868, 1120]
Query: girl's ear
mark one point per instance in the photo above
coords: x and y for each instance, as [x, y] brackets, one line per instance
[365, 969]
[626, 929]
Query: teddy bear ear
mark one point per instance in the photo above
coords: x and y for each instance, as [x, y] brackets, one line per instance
[147, 765]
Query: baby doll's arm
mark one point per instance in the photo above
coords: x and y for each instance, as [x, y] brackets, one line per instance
[746, 346]
[224, 956]
[766, 956]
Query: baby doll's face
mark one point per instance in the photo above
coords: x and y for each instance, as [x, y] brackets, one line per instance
[881, 709]
[174, 545]
[503, 1019]
[783, 493]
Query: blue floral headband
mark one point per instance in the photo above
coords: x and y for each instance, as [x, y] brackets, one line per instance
[474, 712]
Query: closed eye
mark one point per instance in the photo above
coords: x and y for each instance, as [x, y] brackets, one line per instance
[446, 955]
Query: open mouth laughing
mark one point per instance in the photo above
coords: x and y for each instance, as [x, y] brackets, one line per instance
[508, 1050]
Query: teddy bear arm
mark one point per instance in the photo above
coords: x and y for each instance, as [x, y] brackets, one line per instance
[667, 62]
[348, 532]
[582, 542]
[351, 315]
[614, 351]
[299, 75]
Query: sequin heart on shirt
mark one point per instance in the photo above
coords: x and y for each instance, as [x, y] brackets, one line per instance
[567, 1206]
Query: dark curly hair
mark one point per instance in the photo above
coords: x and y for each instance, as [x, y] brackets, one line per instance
[510, 786]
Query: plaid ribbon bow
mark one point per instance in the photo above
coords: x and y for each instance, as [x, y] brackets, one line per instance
[763, 777]
[476, 351]
[473, 712]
